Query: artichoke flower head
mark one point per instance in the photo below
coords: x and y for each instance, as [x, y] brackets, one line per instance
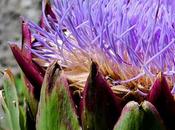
[130, 47]
[106, 53]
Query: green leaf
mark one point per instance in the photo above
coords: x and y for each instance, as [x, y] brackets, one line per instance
[56, 110]
[22, 111]
[11, 106]
[5, 119]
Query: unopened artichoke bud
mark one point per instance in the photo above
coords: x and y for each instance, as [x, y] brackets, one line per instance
[101, 108]
[139, 117]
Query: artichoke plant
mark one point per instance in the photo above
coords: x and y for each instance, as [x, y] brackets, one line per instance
[94, 65]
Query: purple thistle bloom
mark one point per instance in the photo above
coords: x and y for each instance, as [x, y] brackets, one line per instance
[134, 34]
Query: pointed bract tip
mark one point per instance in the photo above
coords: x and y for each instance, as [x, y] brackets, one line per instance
[52, 73]
[160, 76]
[94, 69]
[9, 74]
[26, 39]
